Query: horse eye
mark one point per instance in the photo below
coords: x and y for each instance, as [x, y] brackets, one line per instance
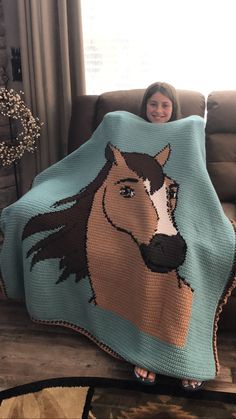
[127, 192]
[172, 192]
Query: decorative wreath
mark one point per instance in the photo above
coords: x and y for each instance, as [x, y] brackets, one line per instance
[12, 105]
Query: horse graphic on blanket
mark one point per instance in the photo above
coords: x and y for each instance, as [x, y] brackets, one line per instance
[120, 232]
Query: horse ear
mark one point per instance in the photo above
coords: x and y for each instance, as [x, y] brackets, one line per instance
[113, 154]
[163, 155]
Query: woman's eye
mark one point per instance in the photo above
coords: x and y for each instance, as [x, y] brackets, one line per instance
[127, 192]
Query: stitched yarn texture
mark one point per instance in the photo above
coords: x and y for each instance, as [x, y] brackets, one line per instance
[125, 240]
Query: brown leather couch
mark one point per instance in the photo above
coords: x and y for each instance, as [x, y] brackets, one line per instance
[220, 112]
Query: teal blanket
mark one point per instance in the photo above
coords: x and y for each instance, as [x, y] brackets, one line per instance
[125, 241]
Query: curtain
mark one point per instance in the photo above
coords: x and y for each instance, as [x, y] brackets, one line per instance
[53, 73]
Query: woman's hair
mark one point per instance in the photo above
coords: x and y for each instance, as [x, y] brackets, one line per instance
[167, 90]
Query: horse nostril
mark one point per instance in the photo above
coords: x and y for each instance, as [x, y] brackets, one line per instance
[152, 250]
[164, 253]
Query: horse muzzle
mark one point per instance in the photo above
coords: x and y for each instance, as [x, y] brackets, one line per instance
[164, 253]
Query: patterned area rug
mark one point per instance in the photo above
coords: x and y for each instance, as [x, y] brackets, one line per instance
[93, 398]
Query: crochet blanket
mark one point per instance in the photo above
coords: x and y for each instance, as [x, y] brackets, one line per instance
[125, 241]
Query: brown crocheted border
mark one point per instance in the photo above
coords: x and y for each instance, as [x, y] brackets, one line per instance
[81, 330]
[2, 287]
[231, 284]
[62, 323]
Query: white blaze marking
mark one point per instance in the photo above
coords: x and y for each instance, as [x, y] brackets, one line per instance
[159, 200]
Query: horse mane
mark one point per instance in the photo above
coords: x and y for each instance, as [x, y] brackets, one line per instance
[68, 243]
[146, 167]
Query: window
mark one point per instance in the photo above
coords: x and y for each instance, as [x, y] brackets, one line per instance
[131, 44]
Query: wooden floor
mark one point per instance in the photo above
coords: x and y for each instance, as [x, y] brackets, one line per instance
[31, 352]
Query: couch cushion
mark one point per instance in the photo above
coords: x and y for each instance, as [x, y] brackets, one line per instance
[192, 103]
[221, 143]
[221, 116]
[125, 100]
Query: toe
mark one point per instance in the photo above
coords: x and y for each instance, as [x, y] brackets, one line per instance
[194, 383]
[151, 376]
[191, 383]
[185, 383]
[141, 372]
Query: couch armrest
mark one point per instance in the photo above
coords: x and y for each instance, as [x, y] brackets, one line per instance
[229, 209]
[221, 143]
[82, 121]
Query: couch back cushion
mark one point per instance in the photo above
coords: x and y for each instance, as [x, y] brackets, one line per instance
[221, 143]
[192, 103]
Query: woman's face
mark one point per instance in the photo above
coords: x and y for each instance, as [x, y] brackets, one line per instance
[159, 108]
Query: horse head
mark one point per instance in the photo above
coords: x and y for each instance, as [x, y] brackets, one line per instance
[139, 200]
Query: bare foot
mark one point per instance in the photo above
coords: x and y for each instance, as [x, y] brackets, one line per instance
[191, 385]
[145, 375]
